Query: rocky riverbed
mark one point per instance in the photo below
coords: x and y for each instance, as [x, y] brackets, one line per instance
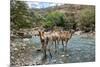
[27, 52]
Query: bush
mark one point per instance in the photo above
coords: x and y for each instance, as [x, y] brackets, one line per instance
[20, 16]
[87, 20]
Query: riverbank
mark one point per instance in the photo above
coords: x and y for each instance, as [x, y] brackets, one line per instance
[26, 51]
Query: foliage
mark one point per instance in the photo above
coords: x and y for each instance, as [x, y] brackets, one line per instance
[24, 17]
[59, 19]
[69, 21]
[87, 19]
[20, 16]
[53, 19]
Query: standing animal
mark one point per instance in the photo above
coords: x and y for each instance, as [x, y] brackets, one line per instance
[65, 36]
[54, 36]
[45, 37]
[43, 42]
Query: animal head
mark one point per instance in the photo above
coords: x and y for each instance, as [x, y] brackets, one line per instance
[72, 31]
[41, 33]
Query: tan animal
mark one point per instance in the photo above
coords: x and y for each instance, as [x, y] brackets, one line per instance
[65, 36]
[43, 42]
[45, 37]
[54, 36]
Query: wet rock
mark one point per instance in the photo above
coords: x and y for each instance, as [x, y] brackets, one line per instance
[62, 55]
[67, 55]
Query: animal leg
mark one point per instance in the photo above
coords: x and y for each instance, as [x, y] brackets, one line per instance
[55, 47]
[44, 51]
[63, 44]
[50, 53]
[66, 45]
[58, 42]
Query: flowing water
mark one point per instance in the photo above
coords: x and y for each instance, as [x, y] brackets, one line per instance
[79, 49]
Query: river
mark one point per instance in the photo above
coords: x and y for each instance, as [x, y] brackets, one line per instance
[79, 49]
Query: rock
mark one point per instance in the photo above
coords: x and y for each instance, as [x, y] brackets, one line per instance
[67, 55]
[15, 49]
[12, 57]
[13, 44]
[23, 48]
[26, 39]
[27, 36]
[78, 33]
[24, 44]
[62, 55]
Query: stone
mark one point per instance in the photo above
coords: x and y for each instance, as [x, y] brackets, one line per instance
[15, 49]
[67, 55]
[62, 55]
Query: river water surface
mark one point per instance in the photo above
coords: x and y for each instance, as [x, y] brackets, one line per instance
[79, 49]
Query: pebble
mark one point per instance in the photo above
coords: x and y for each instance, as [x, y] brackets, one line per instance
[67, 55]
[16, 49]
[62, 55]
[12, 57]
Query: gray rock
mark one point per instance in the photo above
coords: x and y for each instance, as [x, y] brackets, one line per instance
[15, 49]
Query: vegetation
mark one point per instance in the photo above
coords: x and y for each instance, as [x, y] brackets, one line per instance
[53, 19]
[70, 17]
[87, 19]
[20, 15]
